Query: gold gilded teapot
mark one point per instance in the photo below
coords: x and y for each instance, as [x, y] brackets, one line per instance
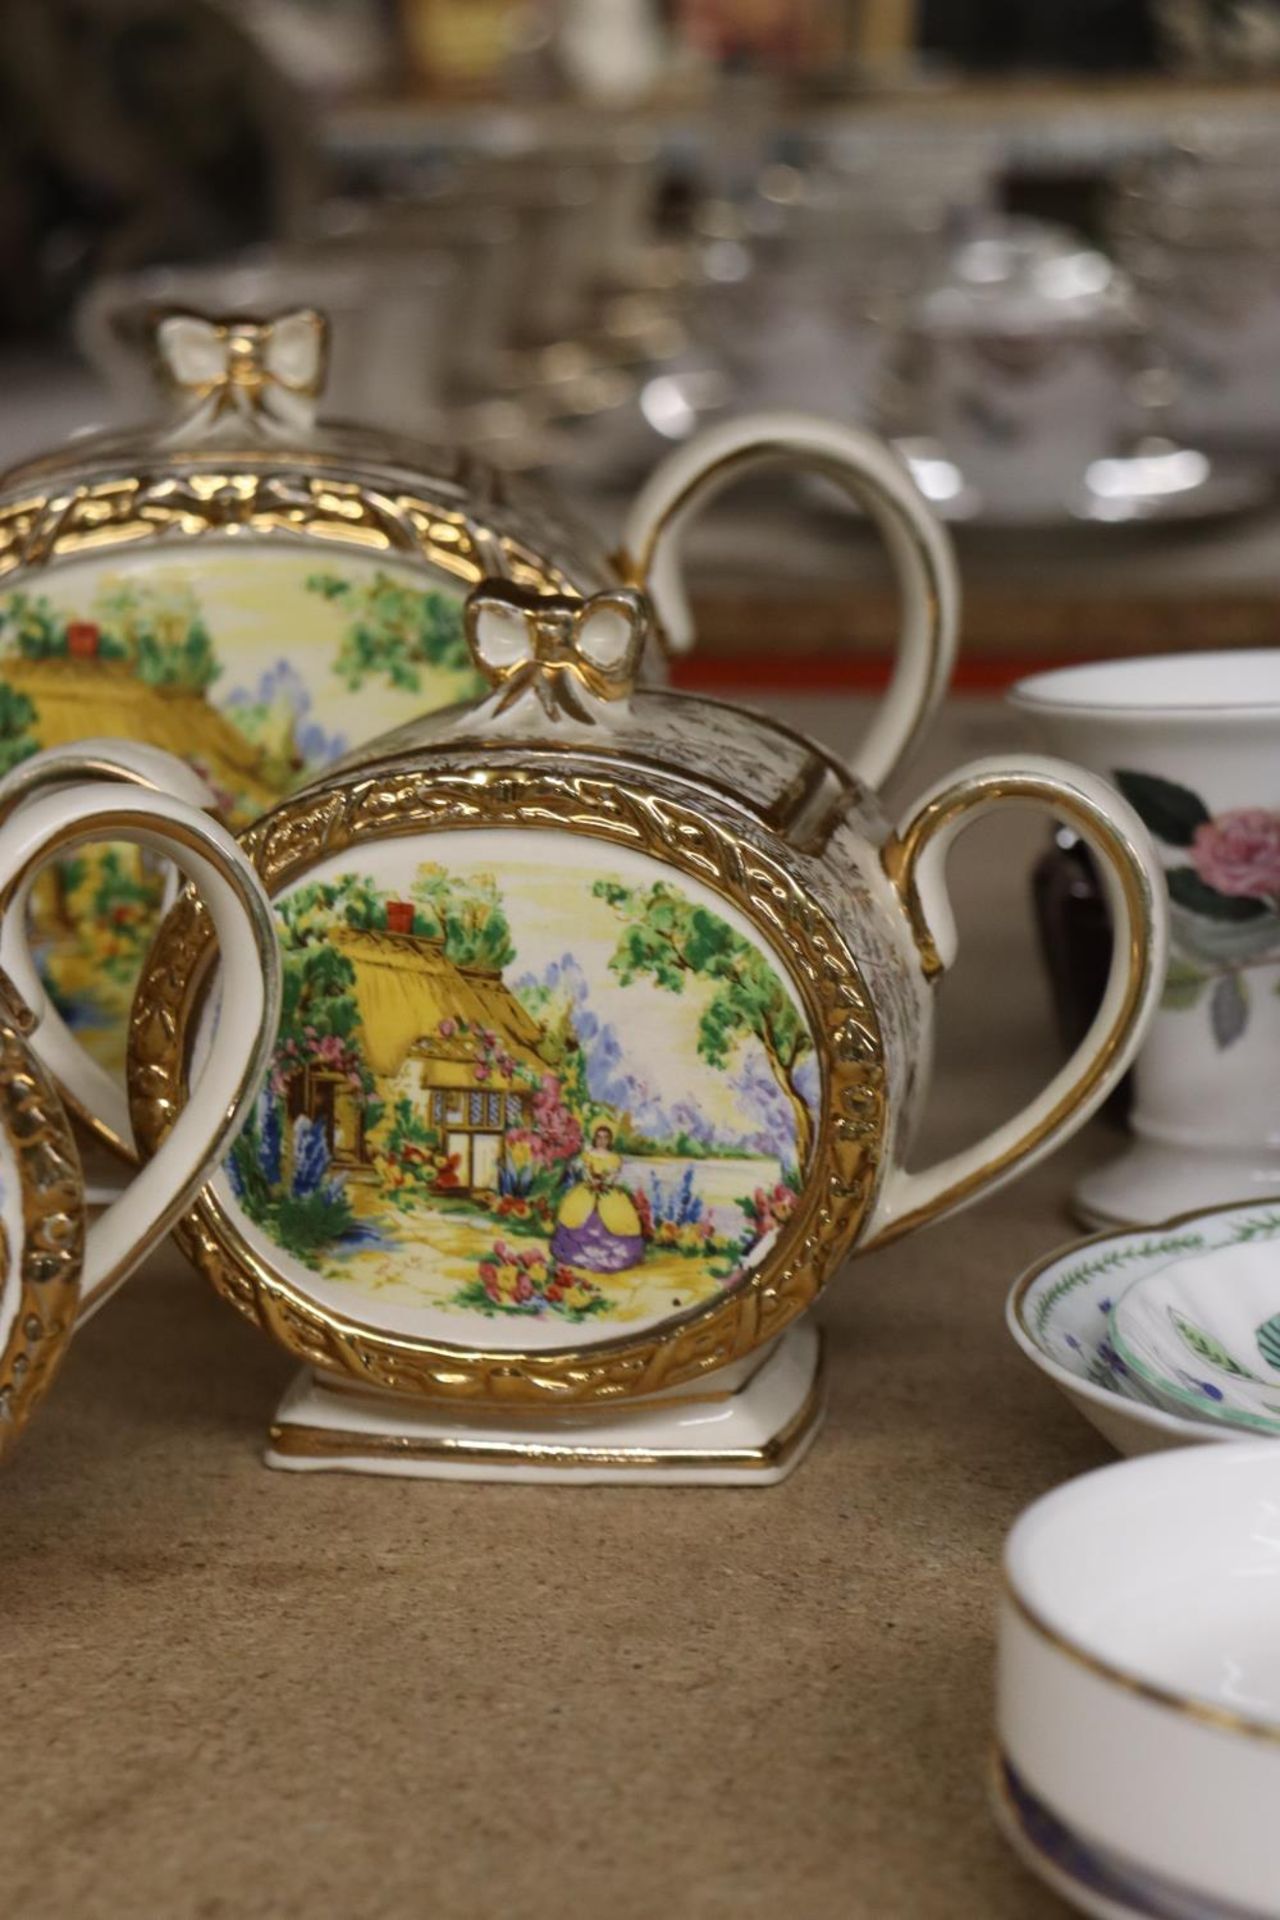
[606, 1022]
[262, 591]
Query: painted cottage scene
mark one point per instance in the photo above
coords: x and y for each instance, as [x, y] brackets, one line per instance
[524, 1092]
[154, 655]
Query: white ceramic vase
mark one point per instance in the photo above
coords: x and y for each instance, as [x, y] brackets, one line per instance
[1194, 743]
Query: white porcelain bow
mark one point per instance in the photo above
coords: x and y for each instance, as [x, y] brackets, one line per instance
[266, 371]
[575, 656]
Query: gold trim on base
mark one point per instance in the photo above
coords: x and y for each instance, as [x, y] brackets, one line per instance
[337, 1444]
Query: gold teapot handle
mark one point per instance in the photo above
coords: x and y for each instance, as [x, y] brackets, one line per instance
[54, 822]
[914, 859]
[877, 481]
[95, 1096]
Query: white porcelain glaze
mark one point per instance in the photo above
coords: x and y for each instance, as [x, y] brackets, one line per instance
[1138, 1692]
[42, 1203]
[1204, 1333]
[1194, 740]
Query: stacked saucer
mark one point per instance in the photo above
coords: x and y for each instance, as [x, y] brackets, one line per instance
[1163, 1336]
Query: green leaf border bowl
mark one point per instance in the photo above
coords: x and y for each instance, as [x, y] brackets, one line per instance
[1058, 1310]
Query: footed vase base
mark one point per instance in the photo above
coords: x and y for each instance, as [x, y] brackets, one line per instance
[1150, 1182]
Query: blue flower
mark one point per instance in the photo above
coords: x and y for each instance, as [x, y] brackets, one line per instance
[310, 1157]
[270, 1138]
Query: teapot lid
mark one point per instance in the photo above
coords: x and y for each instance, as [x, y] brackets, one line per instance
[564, 674]
[1015, 275]
[243, 449]
[42, 1223]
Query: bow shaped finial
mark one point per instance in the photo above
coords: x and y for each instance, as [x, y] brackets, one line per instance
[268, 372]
[571, 654]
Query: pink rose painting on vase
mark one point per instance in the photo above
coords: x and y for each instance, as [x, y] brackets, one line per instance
[1224, 897]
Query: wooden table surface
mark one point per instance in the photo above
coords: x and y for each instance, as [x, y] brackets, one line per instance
[232, 1693]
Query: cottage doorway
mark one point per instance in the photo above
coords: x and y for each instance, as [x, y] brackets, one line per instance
[486, 1155]
[458, 1148]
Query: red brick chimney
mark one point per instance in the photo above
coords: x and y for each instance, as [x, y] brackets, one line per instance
[399, 916]
[82, 639]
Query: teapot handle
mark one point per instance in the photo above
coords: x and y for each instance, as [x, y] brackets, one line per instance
[914, 859]
[51, 823]
[867, 470]
[86, 1086]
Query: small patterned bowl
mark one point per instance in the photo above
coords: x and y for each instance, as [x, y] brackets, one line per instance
[1059, 1314]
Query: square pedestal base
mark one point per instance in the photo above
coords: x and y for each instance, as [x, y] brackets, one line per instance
[747, 1426]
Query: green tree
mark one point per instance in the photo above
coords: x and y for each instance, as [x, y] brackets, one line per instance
[466, 913]
[396, 630]
[160, 628]
[17, 727]
[669, 940]
[318, 982]
[30, 627]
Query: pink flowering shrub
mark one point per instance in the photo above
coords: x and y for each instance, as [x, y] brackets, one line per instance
[527, 1280]
[768, 1208]
[330, 1052]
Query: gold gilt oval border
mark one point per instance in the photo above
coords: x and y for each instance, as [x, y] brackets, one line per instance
[837, 1194]
[290, 497]
[40, 1146]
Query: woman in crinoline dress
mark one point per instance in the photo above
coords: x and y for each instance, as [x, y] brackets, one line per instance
[597, 1227]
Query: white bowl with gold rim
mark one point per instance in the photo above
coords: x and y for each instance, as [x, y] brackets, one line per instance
[1139, 1673]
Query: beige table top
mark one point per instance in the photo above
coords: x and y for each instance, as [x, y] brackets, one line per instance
[232, 1692]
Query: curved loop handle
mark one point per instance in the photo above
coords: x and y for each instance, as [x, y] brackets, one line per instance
[86, 1086]
[866, 469]
[914, 860]
[233, 896]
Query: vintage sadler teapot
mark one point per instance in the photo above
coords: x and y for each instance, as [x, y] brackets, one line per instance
[57, 1267]
[606, 1025]
[262, 594]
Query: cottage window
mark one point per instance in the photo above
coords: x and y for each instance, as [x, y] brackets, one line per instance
[495, 1110]
[477, 1109]
[515, 1110]
[454, 1108]
[437, 1106]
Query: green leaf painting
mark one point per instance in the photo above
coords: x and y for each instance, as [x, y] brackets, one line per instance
[1183, 985]
[1229, 1009]
[1206, 1347]
[1171, 812]
[1268, 1338]
[1187, 889]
